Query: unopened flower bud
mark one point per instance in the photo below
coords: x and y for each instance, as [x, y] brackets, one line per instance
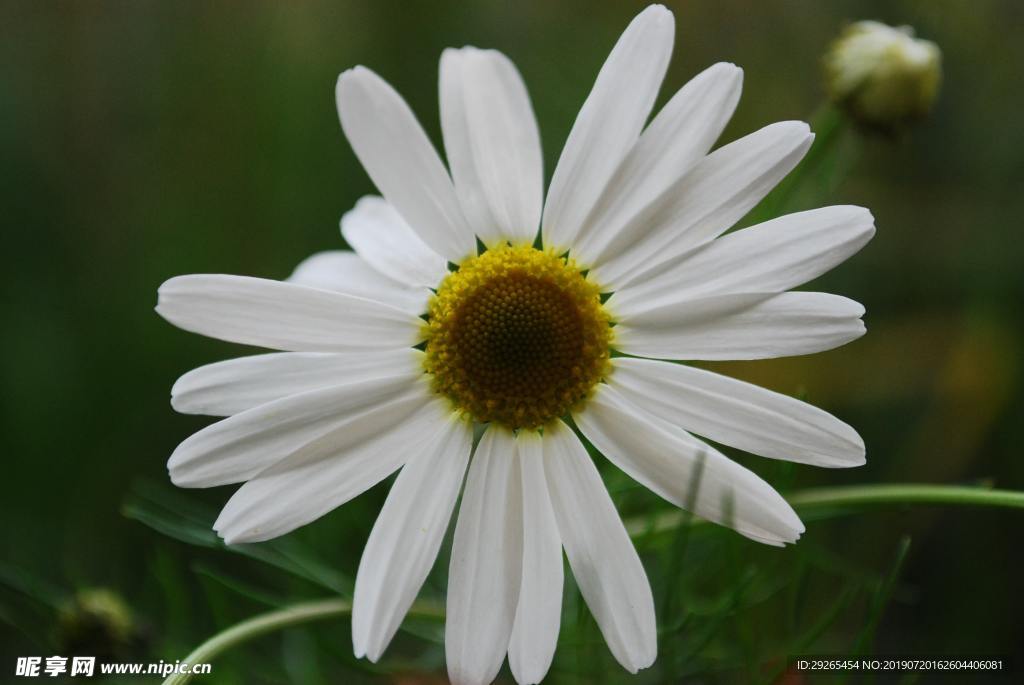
[96, 622]
[883, 76]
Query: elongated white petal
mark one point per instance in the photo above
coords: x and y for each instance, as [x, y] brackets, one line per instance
[770, 257]
[403, 164]
[381, 236]
[406, 537]
[685, 471]
[235, 385]
[237, 448]
[332, 470]
[346, 272]
[283, 316]
[704, 203]
[486, 563]
[744, 326]
[608, 124]
[538, 615]
[493, 145]
[738, 414]
[601, 555]
[741, 327]
[678, 137]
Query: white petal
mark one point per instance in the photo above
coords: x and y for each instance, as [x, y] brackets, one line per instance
[678, 137]
[535, 630]
[601, 555]
[771, 257]
[493, 145]
[608, 124]
[283, 316]
[235, 385]
[685, 471]
[406, 538]
[346, 272]
[238, 448]
[403, 164]
[332, 470]
[738, 414]
[744, 326]
[381, 236]
[704, 203]
[485, 571]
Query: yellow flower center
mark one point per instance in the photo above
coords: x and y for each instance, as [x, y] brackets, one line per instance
[517, 336]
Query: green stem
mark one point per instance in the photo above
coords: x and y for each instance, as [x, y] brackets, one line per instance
[295, 614]
[806, 501]
[853, 497]
[908, 493]
[829, 126]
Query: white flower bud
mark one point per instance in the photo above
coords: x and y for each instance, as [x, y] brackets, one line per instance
[883, 76]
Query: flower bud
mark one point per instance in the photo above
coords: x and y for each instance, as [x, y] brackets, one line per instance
[882, 76]
[96, 622]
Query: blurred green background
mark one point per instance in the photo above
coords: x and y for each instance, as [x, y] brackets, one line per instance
[140, 140]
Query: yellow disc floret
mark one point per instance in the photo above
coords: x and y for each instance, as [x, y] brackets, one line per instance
[517, 336]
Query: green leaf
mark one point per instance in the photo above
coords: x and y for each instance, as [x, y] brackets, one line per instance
[32, 586]
[188, 521]
[240, 587]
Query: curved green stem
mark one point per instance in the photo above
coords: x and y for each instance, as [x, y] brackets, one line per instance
[842, 499]
[849, 498]
[820, 168]
[295, 614]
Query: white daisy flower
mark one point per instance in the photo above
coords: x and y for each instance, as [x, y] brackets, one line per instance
[394, 353]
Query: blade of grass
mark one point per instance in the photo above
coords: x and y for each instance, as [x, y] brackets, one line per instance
[32, 585]
[677, 552]
[718, 621]
[879, 601]
[239, 587]
[804, 643]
